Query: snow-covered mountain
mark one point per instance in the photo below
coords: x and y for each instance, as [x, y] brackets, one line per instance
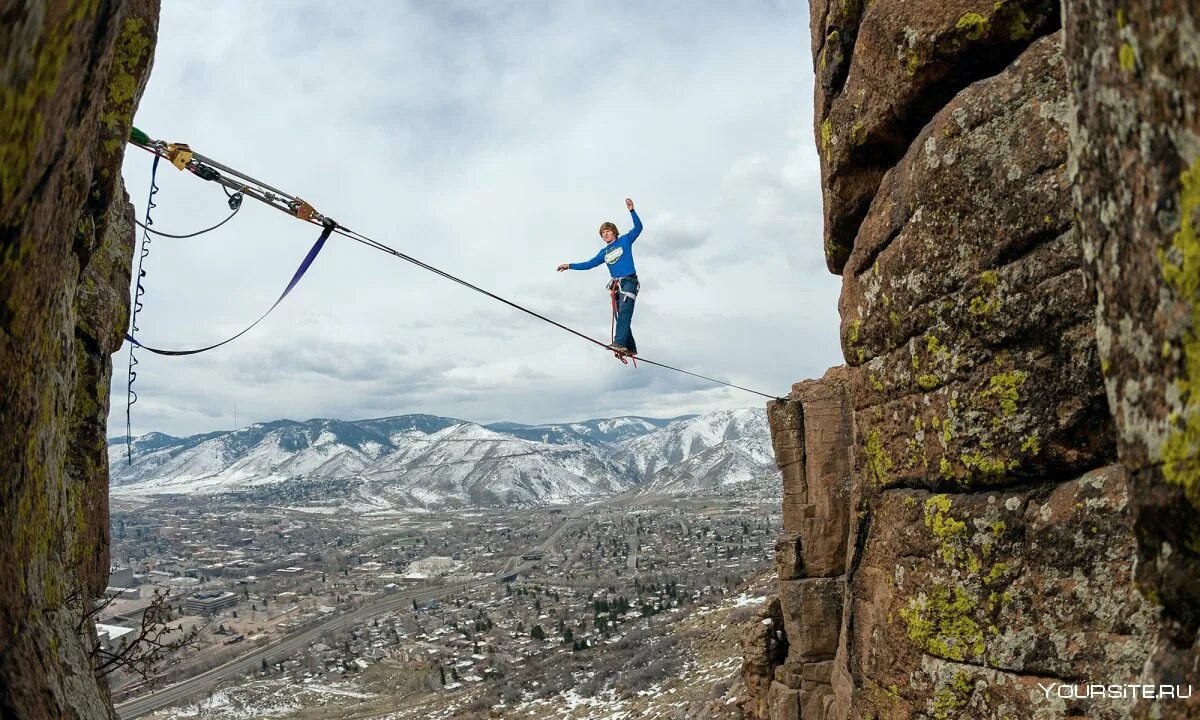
[607, 430]
[429, 461]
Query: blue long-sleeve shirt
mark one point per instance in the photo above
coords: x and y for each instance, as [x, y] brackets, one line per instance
[618, 254]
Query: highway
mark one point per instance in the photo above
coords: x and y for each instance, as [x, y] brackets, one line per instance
[285, 646]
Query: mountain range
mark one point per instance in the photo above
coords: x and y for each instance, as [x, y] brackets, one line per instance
[426, 461]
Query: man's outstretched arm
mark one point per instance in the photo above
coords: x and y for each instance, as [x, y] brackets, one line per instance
[587, 265]
[637, 221]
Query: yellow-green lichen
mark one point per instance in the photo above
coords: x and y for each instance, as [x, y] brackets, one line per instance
[912, 61]
[1019, 24]
[858, 134]
[831, 40]
[875, 383]
[987, 303]
[927, 381]
[984, 306]
[22, 123]
[986, 465]
[1004, 388]
[972, 25]
[942, 625]
[915, 454]
[948, 531]
[949, 701]
[934, 347]
[132, 46]
[1181, 270]
[826, 134]
[878, 461]
[996, 573]
[1126, 57]
[1031, 444]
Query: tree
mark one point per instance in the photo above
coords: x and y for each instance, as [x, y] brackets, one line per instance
[152, 642]
[537, 633]
[568, 635]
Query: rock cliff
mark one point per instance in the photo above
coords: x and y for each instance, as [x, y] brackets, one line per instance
[71, 77]
[997, 494]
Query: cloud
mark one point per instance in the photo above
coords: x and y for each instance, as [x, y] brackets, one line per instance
[489, 140]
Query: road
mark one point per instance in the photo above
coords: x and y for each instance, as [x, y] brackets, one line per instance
[285, 646]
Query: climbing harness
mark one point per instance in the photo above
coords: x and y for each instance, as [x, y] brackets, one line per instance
[184, 158]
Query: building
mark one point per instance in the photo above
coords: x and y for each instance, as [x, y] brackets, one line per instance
[121, 577]
[210, 602]
[113, 637]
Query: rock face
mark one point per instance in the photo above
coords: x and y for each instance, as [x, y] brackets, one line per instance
[998, 495]
[71, 79]
[1135, 150]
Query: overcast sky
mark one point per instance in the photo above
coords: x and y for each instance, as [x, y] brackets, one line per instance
[491, 140]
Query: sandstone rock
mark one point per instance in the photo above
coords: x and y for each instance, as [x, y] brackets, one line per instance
[787, 439]
[883, 69]
[992, 546]
[818, 671]
[764, 648]
[1135, 147]
[789, 557]
[814, 700]
[71, 79]
[784, 702]
[812, 615]
[1025, 583]
[812, 433]
[964, 309]
[828, 435]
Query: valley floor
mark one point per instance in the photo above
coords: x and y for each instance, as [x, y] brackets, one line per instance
[622, 608]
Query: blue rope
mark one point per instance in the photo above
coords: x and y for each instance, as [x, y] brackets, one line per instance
[130, 395]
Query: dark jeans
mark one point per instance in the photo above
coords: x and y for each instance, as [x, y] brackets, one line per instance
[623, 334]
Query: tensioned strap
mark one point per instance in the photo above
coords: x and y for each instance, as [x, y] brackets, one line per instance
[308, 260]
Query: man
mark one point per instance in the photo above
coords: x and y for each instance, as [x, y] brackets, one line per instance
[618, 255]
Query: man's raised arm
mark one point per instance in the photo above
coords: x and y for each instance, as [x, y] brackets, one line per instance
[637, 221]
